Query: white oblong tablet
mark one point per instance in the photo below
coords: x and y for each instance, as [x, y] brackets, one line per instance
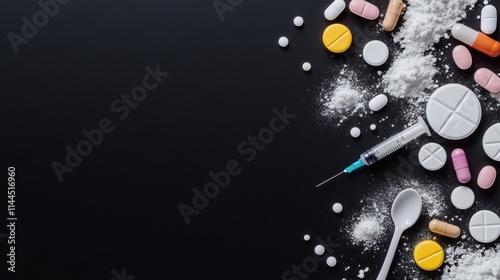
[462, 197]
[334, 10]
[488, 19]
[432, 156]
[453, 111]
[375, 53]
[484, 226]
[491, 142]
[378, 102]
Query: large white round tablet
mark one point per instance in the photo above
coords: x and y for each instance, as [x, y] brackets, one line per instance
[491, 142]
[432, 156]
[462, 197]
[453, 111]
[378, 102]
[484, 226]
[375, 53]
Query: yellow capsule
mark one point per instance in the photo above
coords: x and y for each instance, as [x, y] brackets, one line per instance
[428, 255]
[445, 229]
[337, 38]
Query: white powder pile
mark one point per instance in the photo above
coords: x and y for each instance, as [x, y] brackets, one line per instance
[343, 97]
[367, 230]
[425, 23]
[469, 263]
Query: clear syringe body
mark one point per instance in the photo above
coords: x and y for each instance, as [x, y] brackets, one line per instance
[390, 145]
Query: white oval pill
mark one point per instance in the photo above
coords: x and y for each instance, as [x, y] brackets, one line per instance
[462, 57]
[337, 208]
[298, 21]
[432, 156]
[334, 9]
[453, 111]
[375, 53]
[283, 41]
[462, 197]
[307, 237]
[488, 19]
[331, 261]
[484, 226]
[355, 132]
[319, 250]
[306, 66]
[378, 102]
[491, 142]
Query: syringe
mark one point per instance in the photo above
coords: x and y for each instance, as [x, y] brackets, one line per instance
[387, 147]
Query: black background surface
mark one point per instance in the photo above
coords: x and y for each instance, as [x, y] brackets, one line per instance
[119, 207]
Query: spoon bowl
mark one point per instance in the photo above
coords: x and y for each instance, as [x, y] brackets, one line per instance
[405, 211]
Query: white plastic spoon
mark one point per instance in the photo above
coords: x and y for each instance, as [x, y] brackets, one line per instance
[405, 211]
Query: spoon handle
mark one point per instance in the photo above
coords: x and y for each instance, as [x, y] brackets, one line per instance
[390, 254]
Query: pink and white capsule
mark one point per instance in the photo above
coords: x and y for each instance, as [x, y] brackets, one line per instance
[364, 9]
[461, 165]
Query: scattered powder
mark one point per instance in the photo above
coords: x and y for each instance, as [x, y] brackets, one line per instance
[472, 263]
[367, 230]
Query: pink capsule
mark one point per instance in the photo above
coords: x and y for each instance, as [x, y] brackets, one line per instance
[461, 165]
[364, 9]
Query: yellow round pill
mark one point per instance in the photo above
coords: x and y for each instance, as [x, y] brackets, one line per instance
[337, 38]
[428, 255]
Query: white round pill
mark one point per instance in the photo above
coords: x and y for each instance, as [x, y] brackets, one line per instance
[355, 132]
[375, 53]
[432, 156]
[331, 261]
[319, 250]
[484, 226]
[283, 42]
[462, 197]
[378, 102]
[453, 111]
[298, 21]
[491, 142]
[337, 207]
[307, 237]
[373, 126]
[306, 66]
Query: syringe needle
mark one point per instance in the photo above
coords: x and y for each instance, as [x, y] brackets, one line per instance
[329, 179]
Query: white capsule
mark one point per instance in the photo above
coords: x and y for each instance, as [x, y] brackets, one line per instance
[283, 42]
[378, 102]
[334, 9]
[488, 19]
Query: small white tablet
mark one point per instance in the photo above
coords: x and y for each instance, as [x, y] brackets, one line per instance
[453, 111]
[432, 156]
[375, 53]
[484, 226]
[462, 197]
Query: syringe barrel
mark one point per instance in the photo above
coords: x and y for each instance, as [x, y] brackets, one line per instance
[383, 149]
